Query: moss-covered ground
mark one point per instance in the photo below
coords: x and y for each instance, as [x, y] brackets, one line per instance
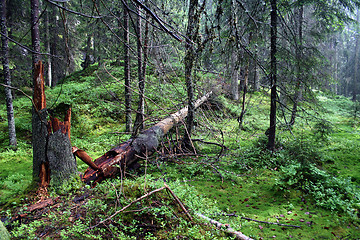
[312, 180]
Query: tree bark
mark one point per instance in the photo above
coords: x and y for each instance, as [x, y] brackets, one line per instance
[356, 65]
[128, 121]
[49, 62]
[35, 32]
[298, 92]
[7, 77]
[139, 121]
[39, 124]
[126, 154]
[273, 76]
[191, 34]
[234, 74]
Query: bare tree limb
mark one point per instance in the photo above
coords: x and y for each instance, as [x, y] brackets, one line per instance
[127, 206]
[71, 11]
[27, 48]
[228, 229]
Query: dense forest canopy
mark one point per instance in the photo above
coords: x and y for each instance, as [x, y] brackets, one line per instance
[256, 94]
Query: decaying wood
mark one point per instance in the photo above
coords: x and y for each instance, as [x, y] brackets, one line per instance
[85, 158]
[127, 153]
[39, 87]
[39, 128]
[40, 205]
[52, 153]
[226, 227]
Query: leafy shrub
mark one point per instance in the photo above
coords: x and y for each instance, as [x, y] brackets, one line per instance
[322, 130]
[326, 190]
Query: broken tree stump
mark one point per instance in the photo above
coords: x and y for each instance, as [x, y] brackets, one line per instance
[126, 154]
[52, 153]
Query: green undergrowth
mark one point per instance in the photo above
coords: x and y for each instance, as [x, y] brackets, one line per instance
[312, 180]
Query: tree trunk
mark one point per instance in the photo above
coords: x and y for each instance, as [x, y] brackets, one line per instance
[139, 121]
[58, 72]
[87, 60]
[356, 65]
[191, 34]
[39, 124]
[298, 87]
[128, 121]
[7, 77]
[49, 63]
[273, 76]
[39, 112]
[126, 154]
[35, 32]
[234, 75]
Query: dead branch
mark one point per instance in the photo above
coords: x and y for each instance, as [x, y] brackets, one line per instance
[179, 202]
[71, 11]
[228, 229]
[127, 206]
[279, 224]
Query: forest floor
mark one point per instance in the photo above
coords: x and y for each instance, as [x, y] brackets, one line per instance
[309, 188]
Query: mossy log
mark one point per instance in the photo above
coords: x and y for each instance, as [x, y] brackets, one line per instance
[127, 153]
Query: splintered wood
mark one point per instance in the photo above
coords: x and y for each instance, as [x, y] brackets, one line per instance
[126, 154]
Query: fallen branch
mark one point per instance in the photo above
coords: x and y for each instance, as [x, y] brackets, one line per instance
[213, 143]
[127, 206]
[179, 202]
[228, 229]
[279, 224]
[40, 205]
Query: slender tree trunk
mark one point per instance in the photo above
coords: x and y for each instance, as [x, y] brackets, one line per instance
[57, 72]
[189, 59]
[39, 113]
[234, 75]
[7, 77]
[128, 120]
[356, 65]
[298, 87]
[273, 76]
[245, 88]
[49, 62]
[139, 121]
[87, 60]
[35, 32]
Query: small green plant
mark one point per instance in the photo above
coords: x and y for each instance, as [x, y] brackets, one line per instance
[322, 130]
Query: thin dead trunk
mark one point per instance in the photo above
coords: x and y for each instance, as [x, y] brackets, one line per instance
[191, 33]
[273, 76]
[128, 120]
[356, 65]
[35, 32]
[245, 88]
[126, 154]
[49, 62]
[139, 121]
[234, 74]
[7, 77]
[298, 87]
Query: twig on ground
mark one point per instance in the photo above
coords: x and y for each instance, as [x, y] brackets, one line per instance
[228, 229]
[179, 202]
[127, 206]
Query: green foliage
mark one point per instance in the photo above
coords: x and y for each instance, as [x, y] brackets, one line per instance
[322, 130]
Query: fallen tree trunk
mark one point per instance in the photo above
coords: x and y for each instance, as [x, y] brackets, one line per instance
[126, 154]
